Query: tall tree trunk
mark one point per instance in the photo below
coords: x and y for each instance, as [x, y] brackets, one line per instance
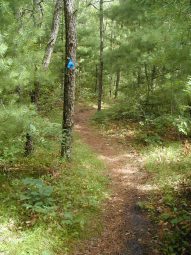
[63, 52]
[35, 93]
[96, 76]
[117, 83]
[110, 86]
[100, 87]
[111, 45]
[34, 96]
[28, 145]
[69, 79]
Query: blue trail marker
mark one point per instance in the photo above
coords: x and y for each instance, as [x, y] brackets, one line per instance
[70, 64]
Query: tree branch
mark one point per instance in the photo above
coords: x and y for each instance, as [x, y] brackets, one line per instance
[53, 34]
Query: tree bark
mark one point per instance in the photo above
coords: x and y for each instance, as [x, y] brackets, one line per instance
[111, 45]
[69, 79]
[28, 145]
[35, 93]
[100, 87]
[117, 83]
[53, 34]
[96, 80]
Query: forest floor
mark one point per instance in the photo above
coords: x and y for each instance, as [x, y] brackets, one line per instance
[126, 229]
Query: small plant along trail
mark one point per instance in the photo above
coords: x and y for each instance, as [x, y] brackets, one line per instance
[126, 230]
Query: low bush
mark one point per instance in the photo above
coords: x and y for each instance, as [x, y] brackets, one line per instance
[170, 205]
[36, 196]
[15, 124]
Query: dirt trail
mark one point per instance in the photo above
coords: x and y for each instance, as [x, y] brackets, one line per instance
[126, 229]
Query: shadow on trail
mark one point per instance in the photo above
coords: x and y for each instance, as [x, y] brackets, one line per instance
[126, 229]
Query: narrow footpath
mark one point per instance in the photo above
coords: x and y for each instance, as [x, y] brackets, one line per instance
[126, 229]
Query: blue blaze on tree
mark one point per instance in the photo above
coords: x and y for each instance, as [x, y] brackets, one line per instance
[69, 78]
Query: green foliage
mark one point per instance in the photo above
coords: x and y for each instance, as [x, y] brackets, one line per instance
[150, 45]
[81, 190]
[15, 123]
[165, 126]
[169, 162]
[149, 139]
[171, 204]
[118, 112]
[36, 196]
[160, 123]
[86, 95]
[171, 210]
[50, 204]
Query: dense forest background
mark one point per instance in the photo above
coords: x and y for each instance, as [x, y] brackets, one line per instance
[133, 65]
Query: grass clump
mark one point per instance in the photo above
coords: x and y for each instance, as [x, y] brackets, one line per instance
[169, 162]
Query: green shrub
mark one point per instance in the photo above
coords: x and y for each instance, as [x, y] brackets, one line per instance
[163, 123]
[170, 205]
[149, 139]
[119, 112]
[15, 123]
[37, 196]
[175, 218]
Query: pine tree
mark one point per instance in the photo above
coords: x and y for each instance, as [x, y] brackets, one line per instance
[100, 87]
[69, 79]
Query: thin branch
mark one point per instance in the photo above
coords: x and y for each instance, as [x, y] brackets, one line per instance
[41, 8]
[94, 6]
[94, 3]
[53, 34]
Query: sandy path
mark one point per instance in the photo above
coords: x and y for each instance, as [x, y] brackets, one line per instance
[126, 229]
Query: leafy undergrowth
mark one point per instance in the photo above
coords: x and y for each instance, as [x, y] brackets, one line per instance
[141, 128]
[47, 205]
[170, 206]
